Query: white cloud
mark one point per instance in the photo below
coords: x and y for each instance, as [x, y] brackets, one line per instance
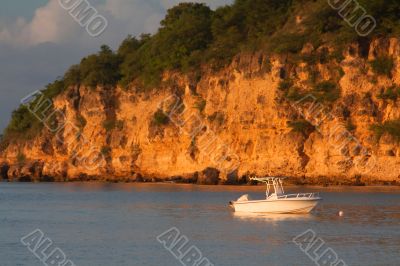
[50, 23]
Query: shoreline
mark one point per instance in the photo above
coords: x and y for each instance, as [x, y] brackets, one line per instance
[181, 187]
[238, 185]
[34, 172]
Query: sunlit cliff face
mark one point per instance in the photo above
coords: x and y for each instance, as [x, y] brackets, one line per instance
[239, 121]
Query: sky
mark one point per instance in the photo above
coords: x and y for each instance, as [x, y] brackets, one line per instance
[39, 40]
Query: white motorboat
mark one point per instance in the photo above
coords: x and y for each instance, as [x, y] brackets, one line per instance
[278, 201]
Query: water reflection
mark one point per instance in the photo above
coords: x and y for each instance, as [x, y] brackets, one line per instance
[270, 217]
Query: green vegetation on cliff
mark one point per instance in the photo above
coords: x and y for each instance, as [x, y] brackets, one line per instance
[192, 35]
[24, 124]
[160, 118]
[301, 126]
[383, 66]
[391, 127]
[325, 91]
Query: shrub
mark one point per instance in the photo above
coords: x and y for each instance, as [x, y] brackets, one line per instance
[160, 118]
[109, 124]
[4, 145]
[382, 66]
[391, 127]
[106, 151]
[21, 120]
[23, 125]
[288, 43]
[285, 85]
[4, 142]
[377, 130]
[21, 158]
[391, 93]
[321, 56]
[54, 89]
[294, 94]
[310, 59]
[326, 91]
[302, 126]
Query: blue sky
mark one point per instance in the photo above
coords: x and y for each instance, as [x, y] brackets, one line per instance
[17, 8]
[39, 40]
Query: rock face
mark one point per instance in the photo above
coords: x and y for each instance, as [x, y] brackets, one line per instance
[233, 124]
[26, 172]
[209, 176]
[3, 171]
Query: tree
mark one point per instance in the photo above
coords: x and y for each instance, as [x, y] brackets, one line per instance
[130, 53]
[185, 30]
[73, 76]
[100, 69]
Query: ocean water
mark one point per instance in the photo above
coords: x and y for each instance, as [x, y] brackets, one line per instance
[118, 224]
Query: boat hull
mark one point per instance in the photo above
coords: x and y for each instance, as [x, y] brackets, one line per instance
[276, 206]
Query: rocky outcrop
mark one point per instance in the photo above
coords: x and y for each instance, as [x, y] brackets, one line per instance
[224, 127]
[4, 171]
[27, 172]
[209, 176]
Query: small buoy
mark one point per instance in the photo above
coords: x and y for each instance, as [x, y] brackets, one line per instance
[341, 213]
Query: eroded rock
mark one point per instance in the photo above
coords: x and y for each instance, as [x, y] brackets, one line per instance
[209, 176]
[27, 172]
[3, 171]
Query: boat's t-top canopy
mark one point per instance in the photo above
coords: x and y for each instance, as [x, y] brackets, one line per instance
[267, 179]
[275, 182]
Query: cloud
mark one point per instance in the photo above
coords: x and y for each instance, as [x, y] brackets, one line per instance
[50, 23]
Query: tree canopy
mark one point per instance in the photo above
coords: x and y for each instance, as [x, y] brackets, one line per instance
[191, 34]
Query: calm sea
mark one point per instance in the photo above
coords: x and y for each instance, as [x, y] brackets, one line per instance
[118, 224]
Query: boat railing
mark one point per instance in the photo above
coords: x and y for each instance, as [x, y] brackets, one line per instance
[299, 195]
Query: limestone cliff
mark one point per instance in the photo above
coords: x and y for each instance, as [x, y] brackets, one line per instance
[234, 122]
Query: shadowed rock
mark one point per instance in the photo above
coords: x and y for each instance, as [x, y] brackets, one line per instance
[137, 178]
[209, 176]
[30, 171]
[3, 171]
[232, 178]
